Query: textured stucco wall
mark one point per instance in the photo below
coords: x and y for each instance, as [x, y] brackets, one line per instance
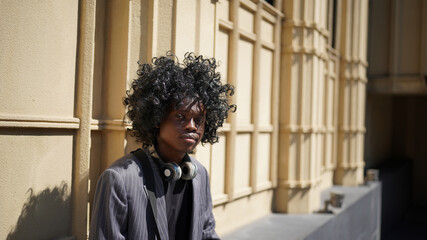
[38, 49]
[35, 183]
[38, 42]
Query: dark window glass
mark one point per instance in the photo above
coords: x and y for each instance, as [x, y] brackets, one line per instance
[334, 24]
[271, 2]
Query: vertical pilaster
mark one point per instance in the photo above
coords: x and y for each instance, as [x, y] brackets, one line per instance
[115, 80]
[276, 96]
[255, 98]
[302, 103]
[352, 93]
[85, 67]
[231, 137]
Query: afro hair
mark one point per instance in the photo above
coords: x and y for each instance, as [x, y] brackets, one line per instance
[165, 82]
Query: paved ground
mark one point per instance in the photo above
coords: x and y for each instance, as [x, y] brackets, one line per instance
[280, 226]
[357, 219]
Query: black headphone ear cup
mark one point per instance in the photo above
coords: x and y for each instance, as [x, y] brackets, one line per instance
[171, 171]
[189, 170]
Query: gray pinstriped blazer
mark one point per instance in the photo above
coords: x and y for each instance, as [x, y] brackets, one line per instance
[121, 207]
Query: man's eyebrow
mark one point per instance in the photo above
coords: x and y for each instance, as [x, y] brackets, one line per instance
[198, 112]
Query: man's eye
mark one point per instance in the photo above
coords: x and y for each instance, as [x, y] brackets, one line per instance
[200, 120]
[179, 116]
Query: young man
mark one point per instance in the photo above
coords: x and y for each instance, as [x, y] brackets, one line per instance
[159, 191]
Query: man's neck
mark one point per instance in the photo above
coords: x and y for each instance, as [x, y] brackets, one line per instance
[168, 156]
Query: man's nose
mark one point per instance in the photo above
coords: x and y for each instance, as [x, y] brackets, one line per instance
[191, 125]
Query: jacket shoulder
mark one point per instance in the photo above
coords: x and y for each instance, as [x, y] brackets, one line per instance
[126, 167]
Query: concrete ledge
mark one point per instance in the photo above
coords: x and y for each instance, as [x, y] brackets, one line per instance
[359, 218]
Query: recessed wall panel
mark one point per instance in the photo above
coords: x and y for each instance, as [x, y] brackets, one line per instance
[309, 38]
[203, 155]
[297, 36]
[305, 166]
[328, 150]
[221, 53]
[244, 82]
[297, 10]
[263, 159]
[113, 145]
[320, 152]
[267, 31]
[38, 58]
[330, 93]
[242, 163]
[294, 156]
[95, 162]
[353, 103]
[166, 22]
[321, 92]
[223, 9]
[35, 184]
[309, 6]
[218, 167]
[266, 78]
[185, 27]
[246, 20]
[346, 103]
[307, 90]
[205, 37]
[296, 89]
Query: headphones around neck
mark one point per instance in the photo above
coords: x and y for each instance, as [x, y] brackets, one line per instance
[171, 171]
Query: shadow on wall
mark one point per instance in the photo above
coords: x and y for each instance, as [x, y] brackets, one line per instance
[46, 215]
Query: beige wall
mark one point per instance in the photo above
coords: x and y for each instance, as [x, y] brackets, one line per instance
[37, 120]
[65, 66]
[247, 44]
[323, 100]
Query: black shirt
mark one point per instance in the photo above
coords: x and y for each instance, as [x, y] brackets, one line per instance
[178, 197]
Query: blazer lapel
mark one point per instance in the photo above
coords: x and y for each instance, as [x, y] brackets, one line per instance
[161, 220]
[196, 212]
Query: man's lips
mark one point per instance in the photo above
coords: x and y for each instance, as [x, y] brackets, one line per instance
[190, 136]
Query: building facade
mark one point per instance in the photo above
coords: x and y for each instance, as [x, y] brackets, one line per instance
[396, 110]
[299, 68]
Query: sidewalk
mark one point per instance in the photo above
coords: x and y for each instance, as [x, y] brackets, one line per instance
[359, 218]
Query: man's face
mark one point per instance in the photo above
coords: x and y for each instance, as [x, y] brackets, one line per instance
[181, 130]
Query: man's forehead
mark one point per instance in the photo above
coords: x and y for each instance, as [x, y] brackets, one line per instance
[190, 105]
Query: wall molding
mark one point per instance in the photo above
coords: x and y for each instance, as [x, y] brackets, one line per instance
[38, 122]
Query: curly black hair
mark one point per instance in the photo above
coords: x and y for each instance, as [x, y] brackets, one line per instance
[165, 82]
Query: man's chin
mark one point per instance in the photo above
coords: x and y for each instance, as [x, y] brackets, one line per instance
[192, 150]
